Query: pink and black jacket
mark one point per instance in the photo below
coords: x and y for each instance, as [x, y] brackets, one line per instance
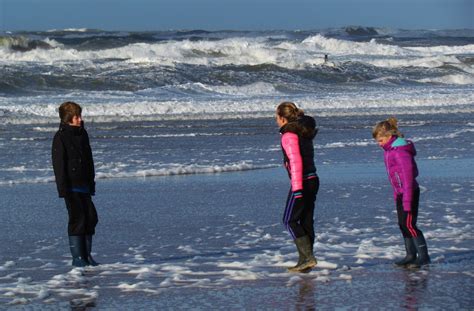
[298, 152]
[399, 157]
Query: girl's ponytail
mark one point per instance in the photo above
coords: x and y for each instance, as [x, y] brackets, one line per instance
[299, 112]
[291, 113]
[393, 122]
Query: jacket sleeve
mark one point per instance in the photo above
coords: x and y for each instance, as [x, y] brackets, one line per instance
[407, 165]
[59, 166]
[92, 168]
[290, 143]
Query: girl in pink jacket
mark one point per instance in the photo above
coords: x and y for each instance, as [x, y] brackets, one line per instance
[297, 134]
[399, 156]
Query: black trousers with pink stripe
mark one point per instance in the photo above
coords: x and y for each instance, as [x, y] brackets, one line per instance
[407, 220]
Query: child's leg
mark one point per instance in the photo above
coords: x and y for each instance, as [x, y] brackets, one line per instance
[292, 216]
[77, 217]
[310, 190]
[419, 240]
[407, 220]
[90, 212]
[91, 222]
[76, 229]
[292, 219]
[413, 235]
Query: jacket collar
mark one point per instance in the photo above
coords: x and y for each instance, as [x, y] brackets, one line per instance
[388, 145]
[75, 130]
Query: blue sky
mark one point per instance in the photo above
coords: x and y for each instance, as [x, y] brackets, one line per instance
[234, 14]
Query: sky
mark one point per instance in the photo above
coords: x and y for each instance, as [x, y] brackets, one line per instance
[141, 15]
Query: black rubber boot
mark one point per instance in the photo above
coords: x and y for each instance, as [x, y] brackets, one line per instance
[78, 250]
[411, 253]
[300, 259]
[91, 260]
[422, 250]
[303, 244]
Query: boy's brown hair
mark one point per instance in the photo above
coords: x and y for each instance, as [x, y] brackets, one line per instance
[69, 110]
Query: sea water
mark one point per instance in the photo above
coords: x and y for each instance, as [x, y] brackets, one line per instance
[190, 188]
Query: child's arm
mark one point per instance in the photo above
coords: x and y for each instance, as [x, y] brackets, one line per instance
[92, 168]
[406, 162]
[59, 165]
[290, 143]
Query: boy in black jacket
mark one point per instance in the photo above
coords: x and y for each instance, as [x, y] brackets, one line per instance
[74, 171]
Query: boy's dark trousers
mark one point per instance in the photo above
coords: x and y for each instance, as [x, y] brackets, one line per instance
[301, 220]
[82, 213]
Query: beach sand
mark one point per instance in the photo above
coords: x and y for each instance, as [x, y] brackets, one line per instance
[216, 240]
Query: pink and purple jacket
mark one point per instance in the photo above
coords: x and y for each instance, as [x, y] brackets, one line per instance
[294, 162]
[399, 157]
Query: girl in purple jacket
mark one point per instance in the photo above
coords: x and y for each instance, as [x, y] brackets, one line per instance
[399, 156]
[297, 134]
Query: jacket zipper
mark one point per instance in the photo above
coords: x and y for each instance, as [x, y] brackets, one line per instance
[398, 180]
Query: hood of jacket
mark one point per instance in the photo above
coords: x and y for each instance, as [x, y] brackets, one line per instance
[309, 126]
[305, 127]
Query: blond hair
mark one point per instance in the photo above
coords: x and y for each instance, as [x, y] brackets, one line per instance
[386, 128]
[69, 110]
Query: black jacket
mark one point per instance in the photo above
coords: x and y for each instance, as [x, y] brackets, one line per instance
[72, 159]
[306, 130]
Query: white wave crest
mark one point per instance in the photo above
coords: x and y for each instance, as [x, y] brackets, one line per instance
[113, 172]
[363, 143]
[254, 89]
[248, 51]
[69, 30]
[343, 47]
[460, 79]
[186, 170]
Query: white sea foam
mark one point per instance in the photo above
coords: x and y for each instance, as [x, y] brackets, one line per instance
[326, 265]
[100, 107]
[7, 265]
[34, 180]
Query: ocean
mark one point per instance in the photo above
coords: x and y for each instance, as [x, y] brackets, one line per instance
[190, 183]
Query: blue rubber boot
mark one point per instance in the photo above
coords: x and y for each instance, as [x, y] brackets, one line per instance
[77, 247]
[91, 260]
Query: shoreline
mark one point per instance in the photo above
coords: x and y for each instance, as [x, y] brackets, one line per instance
[342, 172]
